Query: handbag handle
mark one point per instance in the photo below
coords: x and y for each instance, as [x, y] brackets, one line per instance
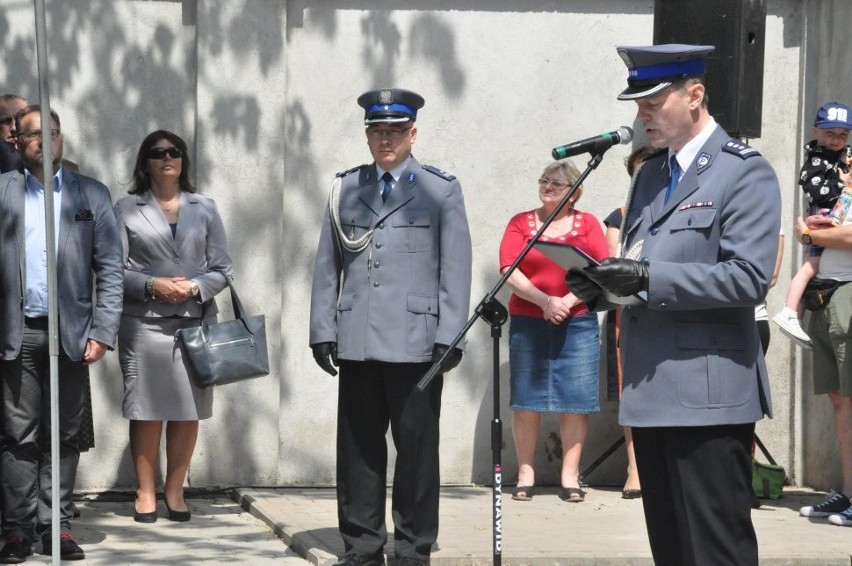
[235, 300]
[237, 305]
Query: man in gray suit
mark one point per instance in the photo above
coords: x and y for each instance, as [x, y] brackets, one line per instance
[700, 239]
[391, 289]
[87, 245]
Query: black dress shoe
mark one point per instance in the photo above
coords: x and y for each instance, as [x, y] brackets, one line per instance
[15, 550]
[361, 560]
[178, 516]
[68, 549]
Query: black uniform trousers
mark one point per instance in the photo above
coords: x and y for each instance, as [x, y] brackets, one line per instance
[696, 493]
[371, 396]
[25, 463]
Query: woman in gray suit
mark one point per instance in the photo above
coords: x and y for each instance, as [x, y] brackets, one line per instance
[175, 258]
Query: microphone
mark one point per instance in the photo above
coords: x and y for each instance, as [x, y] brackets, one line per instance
[597, 144]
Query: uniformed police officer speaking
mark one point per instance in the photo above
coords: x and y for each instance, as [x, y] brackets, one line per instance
[701, 230]
[391, 288]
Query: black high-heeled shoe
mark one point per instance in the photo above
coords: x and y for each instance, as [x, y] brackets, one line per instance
[145, 517]
[150, 517]
[178, 516]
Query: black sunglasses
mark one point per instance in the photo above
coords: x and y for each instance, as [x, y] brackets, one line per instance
[161, 152]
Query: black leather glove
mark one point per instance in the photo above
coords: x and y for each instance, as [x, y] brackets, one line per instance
[622, 277]
[583, 288]
[438, 351]
[325, 354]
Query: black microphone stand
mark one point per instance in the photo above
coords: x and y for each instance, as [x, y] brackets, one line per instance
[493, 312]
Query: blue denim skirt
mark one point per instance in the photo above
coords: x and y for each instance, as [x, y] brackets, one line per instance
[554, 368]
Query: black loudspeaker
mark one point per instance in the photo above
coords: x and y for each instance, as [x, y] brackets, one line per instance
[735, 70]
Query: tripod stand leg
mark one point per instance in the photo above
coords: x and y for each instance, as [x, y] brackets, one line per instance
[602, 457]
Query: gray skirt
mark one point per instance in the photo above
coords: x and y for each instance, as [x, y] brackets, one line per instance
[157, 385]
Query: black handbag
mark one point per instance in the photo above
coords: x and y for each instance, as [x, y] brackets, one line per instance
[225, 352]
[818, 292]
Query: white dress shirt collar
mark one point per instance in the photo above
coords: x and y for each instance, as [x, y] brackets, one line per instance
[690, 150]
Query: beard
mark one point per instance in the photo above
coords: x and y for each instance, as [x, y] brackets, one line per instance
[35, 161]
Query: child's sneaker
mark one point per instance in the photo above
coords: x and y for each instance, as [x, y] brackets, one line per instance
[844, 518]
[789, 323]
[834, 503]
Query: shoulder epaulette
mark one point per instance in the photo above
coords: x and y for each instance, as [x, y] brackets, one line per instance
[443, 174]
[739, 148]
[348, 171]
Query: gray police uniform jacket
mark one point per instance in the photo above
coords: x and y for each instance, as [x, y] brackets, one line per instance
[692, 356]
[410, 287]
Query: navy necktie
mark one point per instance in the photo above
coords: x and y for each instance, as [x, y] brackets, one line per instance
[674, 177]
[387, 178]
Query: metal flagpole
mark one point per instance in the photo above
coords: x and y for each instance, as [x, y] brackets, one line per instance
[52, 294]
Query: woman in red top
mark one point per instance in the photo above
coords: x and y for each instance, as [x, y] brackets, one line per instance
[554, 349]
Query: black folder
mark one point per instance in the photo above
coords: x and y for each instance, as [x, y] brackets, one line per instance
[571, 257]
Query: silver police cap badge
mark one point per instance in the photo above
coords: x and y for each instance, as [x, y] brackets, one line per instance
[385, 96]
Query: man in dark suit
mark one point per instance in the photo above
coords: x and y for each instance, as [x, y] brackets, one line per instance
[88, 247]
[391, 289]
[700, 240]
[10, 159]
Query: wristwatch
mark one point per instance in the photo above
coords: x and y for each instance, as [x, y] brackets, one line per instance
[806, 236]
[193, 288]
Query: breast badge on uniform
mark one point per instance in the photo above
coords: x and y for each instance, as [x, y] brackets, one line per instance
[440, 173]
[738, 148]
[700, 204]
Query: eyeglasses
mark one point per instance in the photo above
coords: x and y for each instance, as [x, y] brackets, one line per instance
[36, 135]
[394, 134]
[162, 152]
[543, 182]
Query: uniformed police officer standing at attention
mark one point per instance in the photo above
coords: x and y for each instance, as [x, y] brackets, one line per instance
[391, 289]
[701, 234]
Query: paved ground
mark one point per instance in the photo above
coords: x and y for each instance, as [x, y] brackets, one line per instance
[219, 533]
[604, 530]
